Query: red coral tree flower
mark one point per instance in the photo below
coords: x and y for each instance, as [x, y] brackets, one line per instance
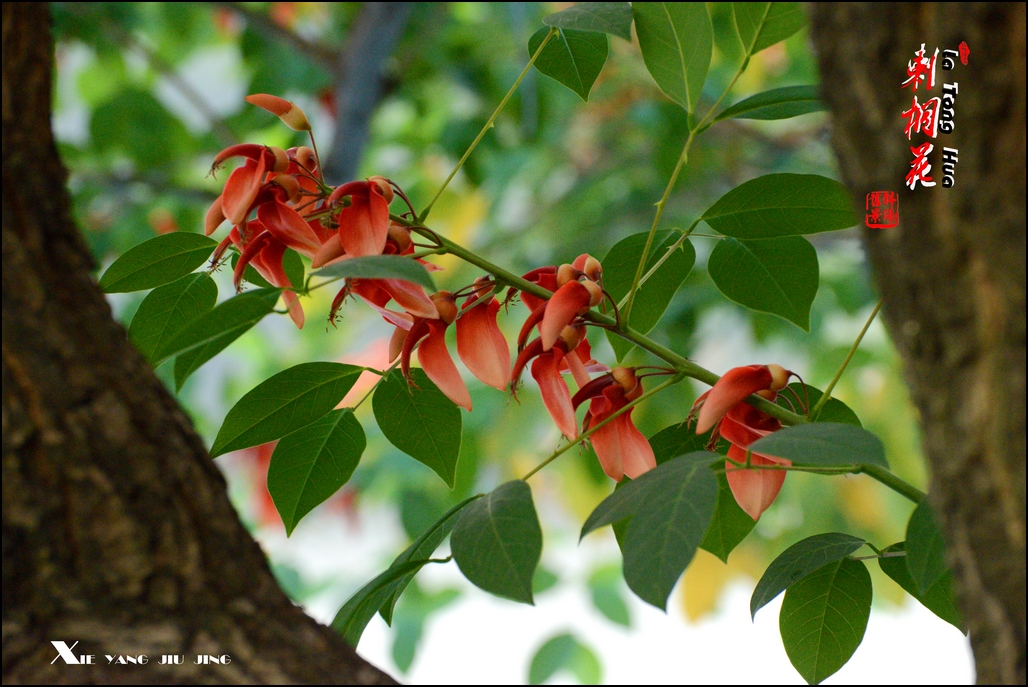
[620, 447]
[724, 410]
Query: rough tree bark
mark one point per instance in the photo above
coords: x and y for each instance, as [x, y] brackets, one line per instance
[953, 277]
[117, 532]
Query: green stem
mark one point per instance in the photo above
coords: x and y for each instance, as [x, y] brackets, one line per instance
[488, 125]
[585, 435]
[892, 481]
[842, 368]
[682, 160]
[663, 258]
[383, 374]
[680, 363]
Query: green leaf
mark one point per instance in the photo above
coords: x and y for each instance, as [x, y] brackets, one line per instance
[926, 548]
[603, 17]
[824, 444]
[284, 403]
[824, 616]
[676, 40]
[292, 265]
[605, 590]
[800, 560]
[670, 509]
[312, 463]
[778, 103]
[778, 276]
[938, 598]
[677, 440]
[564, 652]
[543, 580]
[654, 296]
[360, 608]
[497, 541]
[156, 262]
[380, 267]
[423, 547]
[762, 24]
[420, 420]
[776, 205]
[730, 524]
[203, 338]
[167, 309]
[832, 411]
[572, 58]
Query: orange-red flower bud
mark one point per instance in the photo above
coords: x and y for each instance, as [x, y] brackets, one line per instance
[291, 115]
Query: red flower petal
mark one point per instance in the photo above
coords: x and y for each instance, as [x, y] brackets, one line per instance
[269, 264]
[481, 345]
[364, 225]
[560, 310]
[556, 396]
[330, 250]
[439, 367]
[241, 189]
[754, 490]
[409, 296]
[214, 217]
[286, 225]
[732, 388]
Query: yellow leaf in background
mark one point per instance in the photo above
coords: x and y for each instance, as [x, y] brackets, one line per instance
[861, 501]
[458, 216]
[706, 577]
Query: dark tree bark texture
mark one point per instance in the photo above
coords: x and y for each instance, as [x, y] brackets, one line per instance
[117, 531]
[952, 275]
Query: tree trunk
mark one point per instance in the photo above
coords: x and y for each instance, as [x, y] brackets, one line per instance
[117, 531]
[952, 275]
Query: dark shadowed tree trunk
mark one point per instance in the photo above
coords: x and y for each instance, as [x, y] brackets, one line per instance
[953, 276]
[117, 532]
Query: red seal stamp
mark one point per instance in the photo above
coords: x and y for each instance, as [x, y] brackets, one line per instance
[882, 210]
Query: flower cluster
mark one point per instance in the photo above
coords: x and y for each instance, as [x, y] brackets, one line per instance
[723, 409]
[278, 199]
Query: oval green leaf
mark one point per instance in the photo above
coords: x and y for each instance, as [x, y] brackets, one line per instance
[670, 509]
[762, 24]
[676, 40]
[572, 58]
[204, 337]
[778, 103]
[169, 308]
[284, 403]
[420, 420]
[605, 589]
[380, 267]
[729, 525]
[798, 561]
[777, 205]
[938, 598]
[359, 609]
[823, 618]
[655, 294]
[312, 463]
[497, 541]
[602, 17]
[156, 262]
[423, 547]
[564, 653]
[926, 547]
[824, 444]
[778, 276]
